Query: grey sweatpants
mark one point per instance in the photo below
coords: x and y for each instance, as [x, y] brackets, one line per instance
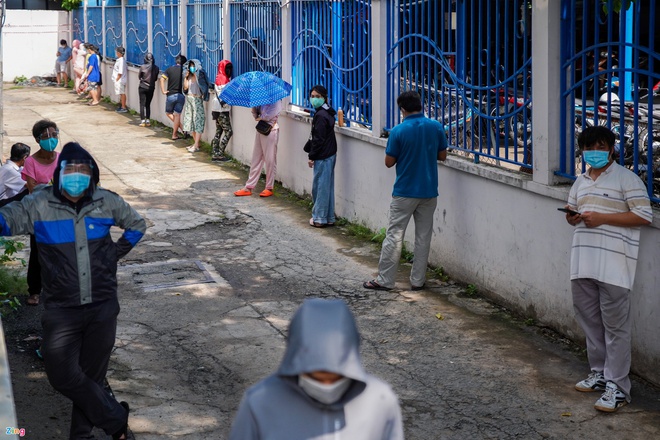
[401, 209]
[603, 312]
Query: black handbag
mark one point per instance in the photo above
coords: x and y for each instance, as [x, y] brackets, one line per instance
[264, 128]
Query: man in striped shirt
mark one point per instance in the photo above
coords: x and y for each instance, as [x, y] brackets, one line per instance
[613, 204]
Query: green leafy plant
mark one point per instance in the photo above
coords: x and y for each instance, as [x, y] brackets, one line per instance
[617, 5]
[439, 273]
[70, 5]
[379, 237]
[471, 290]
[10, 248]
[20, 79]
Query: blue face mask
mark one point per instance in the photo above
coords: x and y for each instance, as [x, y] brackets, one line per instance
[74, 183]
[317, 102]
[48, 144]
[192, 69]
[596, 158]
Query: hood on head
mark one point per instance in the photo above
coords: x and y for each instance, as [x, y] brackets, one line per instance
[222, 78]
[323, 336]
[195, 62]
[148, 58]
[73, 151]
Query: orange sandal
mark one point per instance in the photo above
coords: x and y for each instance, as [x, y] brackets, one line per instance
[266, 193]
[243, 192]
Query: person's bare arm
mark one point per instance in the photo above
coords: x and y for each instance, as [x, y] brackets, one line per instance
[442, 156]
[162, 85]
[390, 161]
[30, 183]
[625, 219]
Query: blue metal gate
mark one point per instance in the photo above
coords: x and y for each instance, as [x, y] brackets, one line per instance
[114, 29]
[256, 36]
[332, 46]
[205, 33]
[471, 62]
[610, 75]
[166, 35]
[137, 43]
[78, 22]
[95, 23]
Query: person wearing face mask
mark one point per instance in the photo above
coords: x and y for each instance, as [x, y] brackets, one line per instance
[220, 112]
[64, 54]
[79, 54]
[12, 184]
[38, 170]
[612, 205]
[196, 89]
[71, 220]
[322, 153]
[320, 391]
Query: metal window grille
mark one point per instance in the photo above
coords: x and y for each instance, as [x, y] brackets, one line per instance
[331, 46]
[470, 60]
[166, 35]
[205, 34]
[610, 75]
[114, 30]
[137, 43]
[256, 36]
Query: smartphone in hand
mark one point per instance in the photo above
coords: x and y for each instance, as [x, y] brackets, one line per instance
[568, 211]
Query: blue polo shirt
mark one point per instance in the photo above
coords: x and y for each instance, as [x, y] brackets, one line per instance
[415, 144]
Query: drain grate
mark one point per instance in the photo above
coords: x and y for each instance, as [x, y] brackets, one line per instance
[175, 273]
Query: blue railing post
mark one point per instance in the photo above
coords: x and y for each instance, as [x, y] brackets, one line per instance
[628, 16]
[337, 95]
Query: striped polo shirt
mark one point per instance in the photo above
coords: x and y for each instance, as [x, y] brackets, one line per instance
[608, 253]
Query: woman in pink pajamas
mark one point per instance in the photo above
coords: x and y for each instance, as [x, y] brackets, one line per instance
[265, 150]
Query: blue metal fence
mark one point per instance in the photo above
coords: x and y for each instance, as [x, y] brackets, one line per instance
[137, 43]
[166, 35]
[95, 23]
[611, 76]
[256, 36]
[331, 46]
[78, 23]
[471, 62]
[205, 33]
[114, 29]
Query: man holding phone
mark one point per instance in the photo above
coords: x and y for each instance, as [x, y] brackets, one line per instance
[611, 204]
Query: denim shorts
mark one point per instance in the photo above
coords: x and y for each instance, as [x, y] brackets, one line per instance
[175, 103]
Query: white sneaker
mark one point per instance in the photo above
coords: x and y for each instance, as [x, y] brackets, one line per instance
[595, 382]
[612, 399]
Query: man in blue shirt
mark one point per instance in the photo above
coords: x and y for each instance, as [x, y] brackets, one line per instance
[62, 64]
[414, 146]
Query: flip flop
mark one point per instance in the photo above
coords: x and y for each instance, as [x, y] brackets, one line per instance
[316, 225]
[33, 300]
[176, 138]
[373, 285]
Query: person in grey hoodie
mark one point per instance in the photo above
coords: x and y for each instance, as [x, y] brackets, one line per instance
[320, 391]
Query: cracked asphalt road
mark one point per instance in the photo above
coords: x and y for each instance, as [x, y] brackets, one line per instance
[207, 295]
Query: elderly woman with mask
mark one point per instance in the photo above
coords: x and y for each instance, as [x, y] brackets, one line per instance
[196, 89]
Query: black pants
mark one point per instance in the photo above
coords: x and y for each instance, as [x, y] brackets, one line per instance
[77, 343]
[146, 95]
[34, 269]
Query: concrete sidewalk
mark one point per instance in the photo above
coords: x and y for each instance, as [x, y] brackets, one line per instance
[207, 295]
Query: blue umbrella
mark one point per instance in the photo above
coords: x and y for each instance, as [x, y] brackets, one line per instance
[253, 89]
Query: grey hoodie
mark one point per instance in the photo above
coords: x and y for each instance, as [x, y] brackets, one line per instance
[322, 337]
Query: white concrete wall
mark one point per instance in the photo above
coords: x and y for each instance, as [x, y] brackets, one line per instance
[30, 40]
[496, 229]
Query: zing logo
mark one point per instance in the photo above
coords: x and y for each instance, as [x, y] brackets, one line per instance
[16, 431]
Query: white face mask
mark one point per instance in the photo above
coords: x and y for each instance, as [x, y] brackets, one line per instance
[327, 394]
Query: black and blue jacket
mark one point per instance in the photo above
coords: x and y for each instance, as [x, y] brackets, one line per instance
[77, 254]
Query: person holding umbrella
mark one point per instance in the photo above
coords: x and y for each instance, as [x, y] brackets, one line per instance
[263, 92]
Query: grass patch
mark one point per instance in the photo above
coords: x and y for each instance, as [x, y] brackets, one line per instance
[13, 283]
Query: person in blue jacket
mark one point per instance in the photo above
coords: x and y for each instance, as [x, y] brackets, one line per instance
[71, 222]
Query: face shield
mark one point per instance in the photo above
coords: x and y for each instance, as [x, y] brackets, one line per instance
[75, 176]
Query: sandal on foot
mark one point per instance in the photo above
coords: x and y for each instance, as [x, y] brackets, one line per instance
[316, 225]
[373, 285]
[243, 192]
[33, 300]
[266, 193]
[416, 288]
